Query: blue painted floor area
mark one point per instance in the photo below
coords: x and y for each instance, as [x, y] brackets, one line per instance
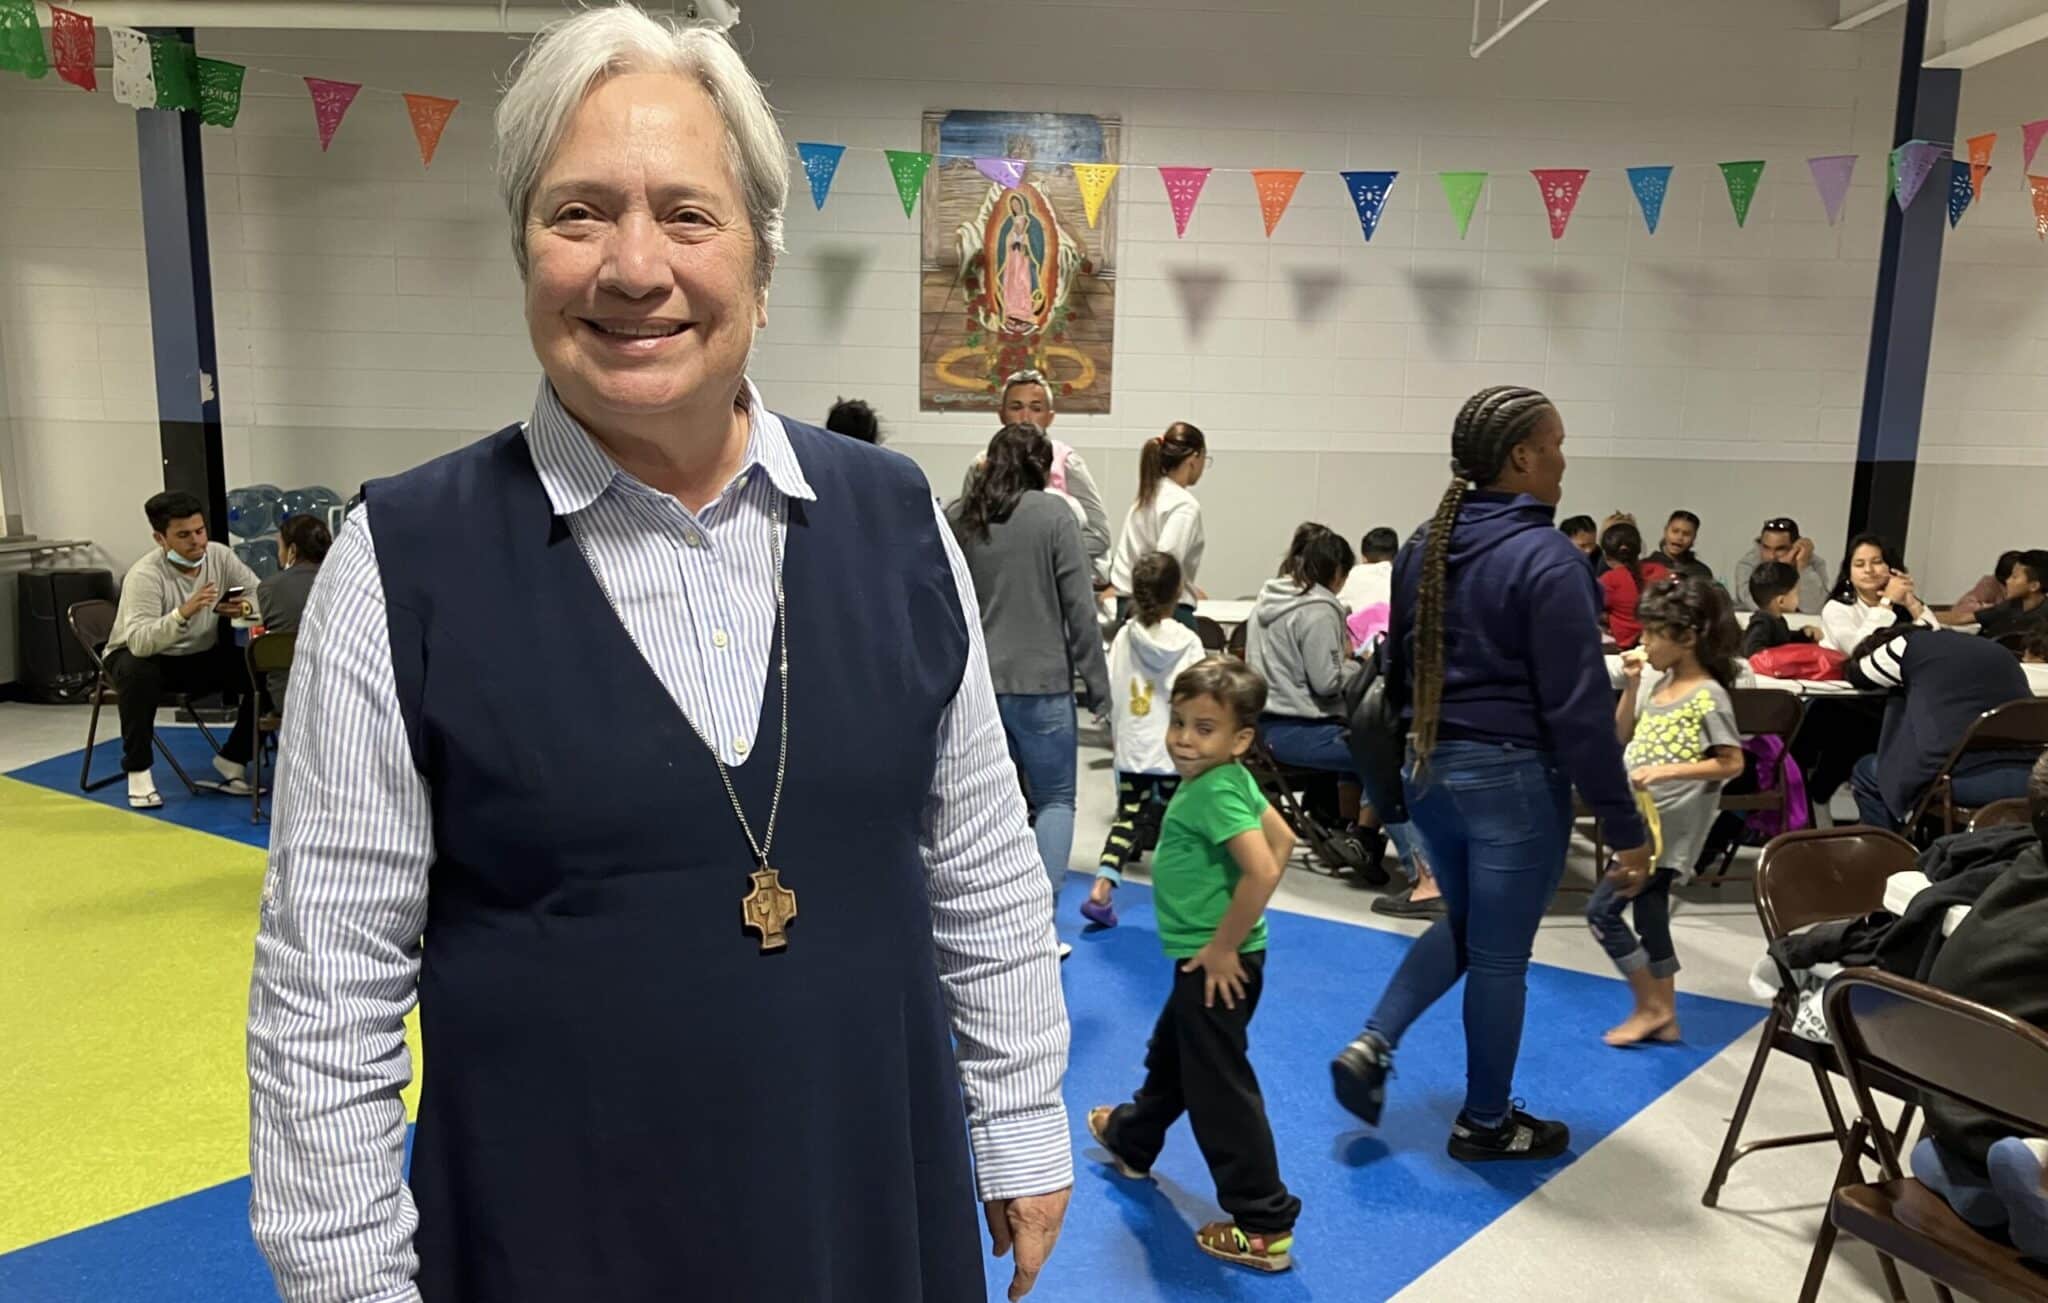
[223, 816]
[1379, 1207]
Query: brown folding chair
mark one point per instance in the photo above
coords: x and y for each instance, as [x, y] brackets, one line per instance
[2019, 727]
[1762, 712]
[2013, 810]
[1234, 645]
[267, 655]
[1886, 1027]
[92, 623]
[1816, 875]
[1211, 633]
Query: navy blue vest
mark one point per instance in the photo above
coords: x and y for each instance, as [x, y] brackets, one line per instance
[627, 1100]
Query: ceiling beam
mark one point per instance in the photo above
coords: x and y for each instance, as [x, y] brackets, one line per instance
[1979, 31]
[1855, 13]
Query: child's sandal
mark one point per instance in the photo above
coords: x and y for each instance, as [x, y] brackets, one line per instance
[1098, 1126]
[1226, 1240]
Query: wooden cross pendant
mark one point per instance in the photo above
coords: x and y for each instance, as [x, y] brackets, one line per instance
[769, 908]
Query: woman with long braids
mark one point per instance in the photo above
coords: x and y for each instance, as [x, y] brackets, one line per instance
[1495, 643]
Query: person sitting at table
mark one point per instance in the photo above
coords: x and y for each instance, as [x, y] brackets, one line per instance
[1675, 551]
[1780, 540]
[302, 544]
[167, 638]
[1298, 642]
[1939, 684]
[1986, 592]
[1873, 593]
[1993, 1179]
[1774, 588]
[2026, 591]
[1623, 582]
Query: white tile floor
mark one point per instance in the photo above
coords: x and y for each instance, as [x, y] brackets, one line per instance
[1624, 1222]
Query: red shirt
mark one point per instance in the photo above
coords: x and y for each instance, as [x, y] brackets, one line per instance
[1619, 593]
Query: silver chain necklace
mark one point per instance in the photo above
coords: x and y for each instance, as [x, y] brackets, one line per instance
[770, 907]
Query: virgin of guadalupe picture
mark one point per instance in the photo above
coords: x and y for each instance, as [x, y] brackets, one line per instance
[1013, 276]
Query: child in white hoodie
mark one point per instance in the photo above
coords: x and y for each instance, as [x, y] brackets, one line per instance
[1149, 653]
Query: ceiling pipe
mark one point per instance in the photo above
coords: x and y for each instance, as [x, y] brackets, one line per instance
[1480, 47]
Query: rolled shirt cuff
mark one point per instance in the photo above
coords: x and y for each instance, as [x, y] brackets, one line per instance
[1022, 1154]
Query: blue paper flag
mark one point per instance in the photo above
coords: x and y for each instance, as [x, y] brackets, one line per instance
[1650, 185]
[1369, 193]
[821, 164]
[1960, 190]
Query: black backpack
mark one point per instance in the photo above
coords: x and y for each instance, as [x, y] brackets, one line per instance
[1377, 736]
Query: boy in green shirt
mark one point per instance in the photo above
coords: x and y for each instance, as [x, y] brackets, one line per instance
[1221, 852]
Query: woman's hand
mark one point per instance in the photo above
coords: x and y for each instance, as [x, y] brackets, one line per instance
[1899, 590]
[1223, 974]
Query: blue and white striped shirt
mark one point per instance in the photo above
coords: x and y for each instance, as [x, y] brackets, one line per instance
[345, 900]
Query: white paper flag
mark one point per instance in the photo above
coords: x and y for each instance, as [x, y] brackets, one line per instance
[134, 74]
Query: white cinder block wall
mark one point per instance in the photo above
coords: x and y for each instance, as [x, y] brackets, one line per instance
[369, 311]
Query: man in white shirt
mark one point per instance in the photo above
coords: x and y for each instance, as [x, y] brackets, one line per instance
[166, 638]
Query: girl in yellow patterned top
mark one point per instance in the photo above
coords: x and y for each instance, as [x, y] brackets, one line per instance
[1678, 725]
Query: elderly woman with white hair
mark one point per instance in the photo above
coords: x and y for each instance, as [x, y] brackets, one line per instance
[711, 907]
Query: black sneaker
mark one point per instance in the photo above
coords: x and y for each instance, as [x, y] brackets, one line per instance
[1520, 1137]
[1359, 1073]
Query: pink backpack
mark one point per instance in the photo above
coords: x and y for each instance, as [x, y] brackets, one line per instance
[1369, 625]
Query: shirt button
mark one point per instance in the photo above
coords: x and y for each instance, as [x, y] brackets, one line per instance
[739, 746]
[718, 639]
[740, 483]
[694, 539]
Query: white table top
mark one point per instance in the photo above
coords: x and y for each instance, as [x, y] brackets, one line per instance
[1900, 888]
[2037, 679]
[1225, 612]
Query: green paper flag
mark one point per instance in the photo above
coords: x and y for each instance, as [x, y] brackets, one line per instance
[1742, 179]
[1461, 191]
[220, 92]
[908, 168]
[175, 65]
[21, 39]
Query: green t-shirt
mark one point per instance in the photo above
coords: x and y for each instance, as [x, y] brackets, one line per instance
[1193, 871]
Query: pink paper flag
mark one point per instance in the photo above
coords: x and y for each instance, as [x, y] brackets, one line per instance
[1831, 173]
[330, 100]
[2030, 140]
[1980, 161]
[1561, 186]
[1005, 172]
[1183, 188]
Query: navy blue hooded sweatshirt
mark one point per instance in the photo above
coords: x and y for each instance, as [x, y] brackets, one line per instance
[1522, 656]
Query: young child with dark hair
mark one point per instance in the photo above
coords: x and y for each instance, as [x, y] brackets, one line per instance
[1678, 725]
[1221, 853]
[1149, 653]
[1625, 580]
[1774, 587]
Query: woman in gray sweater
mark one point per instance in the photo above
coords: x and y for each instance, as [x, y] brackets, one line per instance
[1032, 579]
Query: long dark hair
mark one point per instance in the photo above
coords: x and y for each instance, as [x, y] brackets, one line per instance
[1622, 544]
[1844, 591]
[1489, 426]
[1019, 460]
[1690, 604]
[1155, 587]
[1164, 454]
[1319, 555]
[308, 537]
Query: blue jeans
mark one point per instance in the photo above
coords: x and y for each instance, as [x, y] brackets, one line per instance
[1041, 730]
[1979, 785]
[1648, 948]
[1497, 820]
[2008, 1196]
[1321, 744]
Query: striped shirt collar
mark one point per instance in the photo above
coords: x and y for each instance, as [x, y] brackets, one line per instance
[576, 471]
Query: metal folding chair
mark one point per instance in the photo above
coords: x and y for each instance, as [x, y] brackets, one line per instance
[267, 655]
[2019, 727]
[92, 623]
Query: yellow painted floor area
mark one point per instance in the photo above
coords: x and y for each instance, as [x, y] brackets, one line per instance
[125, 947]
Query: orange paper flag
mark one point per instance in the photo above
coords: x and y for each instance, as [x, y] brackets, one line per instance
[1980, 161]
[2039, 185]
[430, 116]
[1276, 191]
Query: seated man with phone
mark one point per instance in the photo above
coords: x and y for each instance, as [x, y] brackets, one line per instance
[168, 638]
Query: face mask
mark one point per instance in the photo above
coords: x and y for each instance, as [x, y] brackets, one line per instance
[180, 562]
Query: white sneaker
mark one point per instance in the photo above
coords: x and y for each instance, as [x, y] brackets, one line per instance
[1065, 950]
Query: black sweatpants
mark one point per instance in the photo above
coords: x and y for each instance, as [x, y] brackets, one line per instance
[143, 682]
[1197, 1063]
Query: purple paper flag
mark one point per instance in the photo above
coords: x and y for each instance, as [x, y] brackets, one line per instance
[1005, 172]
[2030, 141]
[1916, 163]
[1831, 173]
